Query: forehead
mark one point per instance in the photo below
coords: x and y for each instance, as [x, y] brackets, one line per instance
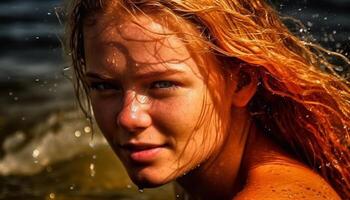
[141, 40]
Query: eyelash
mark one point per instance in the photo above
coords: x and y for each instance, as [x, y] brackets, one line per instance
[100, 86]
[170, 85]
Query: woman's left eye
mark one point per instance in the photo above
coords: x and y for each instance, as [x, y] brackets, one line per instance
[163, 85]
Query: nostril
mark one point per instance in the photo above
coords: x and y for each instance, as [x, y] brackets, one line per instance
[132, 117]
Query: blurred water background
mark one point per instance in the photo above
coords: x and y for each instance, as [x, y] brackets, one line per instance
[46, 150]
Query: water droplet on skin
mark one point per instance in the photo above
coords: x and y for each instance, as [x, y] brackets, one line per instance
[328, 164]
[66, 68]
[142, 99]
[128, 186]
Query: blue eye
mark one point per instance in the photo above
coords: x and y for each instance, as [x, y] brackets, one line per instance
[102, 86]
[163, 85]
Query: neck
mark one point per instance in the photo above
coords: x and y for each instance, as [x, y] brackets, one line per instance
[220, 177]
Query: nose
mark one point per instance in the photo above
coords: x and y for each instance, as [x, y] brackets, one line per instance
[133, 115]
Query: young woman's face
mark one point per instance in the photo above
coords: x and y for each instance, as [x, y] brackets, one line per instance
[148, 96]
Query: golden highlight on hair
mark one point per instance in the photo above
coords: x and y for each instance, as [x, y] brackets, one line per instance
[301, 101]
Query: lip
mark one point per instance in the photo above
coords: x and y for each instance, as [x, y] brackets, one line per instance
[142, 152]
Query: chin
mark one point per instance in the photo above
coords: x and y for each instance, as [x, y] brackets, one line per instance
[148, 178]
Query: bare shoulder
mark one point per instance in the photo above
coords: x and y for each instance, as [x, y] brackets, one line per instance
[285, 181]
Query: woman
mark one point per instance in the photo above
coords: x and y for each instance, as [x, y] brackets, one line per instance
[215, 94]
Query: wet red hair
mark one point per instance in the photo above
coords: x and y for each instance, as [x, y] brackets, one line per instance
[301, 101]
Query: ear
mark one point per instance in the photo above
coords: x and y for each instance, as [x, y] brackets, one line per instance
[245, 90]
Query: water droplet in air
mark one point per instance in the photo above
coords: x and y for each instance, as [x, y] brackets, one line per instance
[72, 187]
[87, 129]
[52, 195]
[10, 93]
[77, 134]
[37, 37]
[15, 98]
[141, 190]
[339, 68]
[309, 24]
[35, 153]
[92, 170]
[37, 80]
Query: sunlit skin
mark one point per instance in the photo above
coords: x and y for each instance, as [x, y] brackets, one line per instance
[147, 93]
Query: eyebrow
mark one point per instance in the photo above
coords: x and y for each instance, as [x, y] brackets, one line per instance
[144, 75]
[96, 75]
[155, 73]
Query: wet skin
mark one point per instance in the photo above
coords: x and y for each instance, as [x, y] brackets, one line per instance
[147, 93]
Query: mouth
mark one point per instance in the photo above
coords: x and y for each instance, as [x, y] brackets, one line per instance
[142, 152]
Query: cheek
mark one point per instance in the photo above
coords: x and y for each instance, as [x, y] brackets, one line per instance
[177, 117]
[105, 115]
